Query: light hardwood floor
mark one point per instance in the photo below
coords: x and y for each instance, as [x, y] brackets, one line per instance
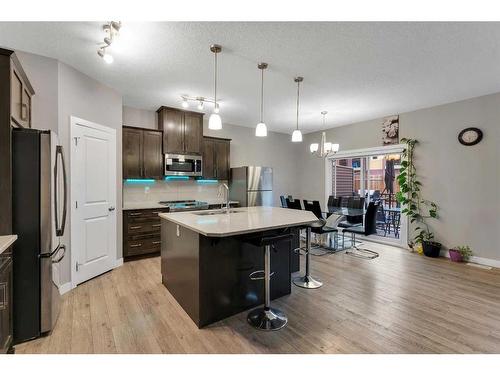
[398, 303]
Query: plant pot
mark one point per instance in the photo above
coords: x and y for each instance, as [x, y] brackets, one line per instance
[431, 248]
[455, 255]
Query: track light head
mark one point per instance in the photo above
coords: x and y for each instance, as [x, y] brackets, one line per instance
[116, 25]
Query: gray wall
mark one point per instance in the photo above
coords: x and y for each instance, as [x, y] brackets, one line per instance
[43, 75]
[141, 118]
[275, 150]
[463, 181]
[61, 92]
[88, 99]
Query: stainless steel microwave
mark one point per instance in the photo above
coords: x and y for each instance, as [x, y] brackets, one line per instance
[182, 165]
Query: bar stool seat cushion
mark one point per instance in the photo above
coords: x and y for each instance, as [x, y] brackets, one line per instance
[269, 240]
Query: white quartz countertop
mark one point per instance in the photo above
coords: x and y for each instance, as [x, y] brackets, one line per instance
[6, 241]
[244, 220]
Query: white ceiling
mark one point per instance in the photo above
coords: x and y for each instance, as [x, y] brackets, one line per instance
[356, 71]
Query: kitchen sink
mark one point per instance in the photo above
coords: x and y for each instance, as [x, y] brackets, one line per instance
[217, 212]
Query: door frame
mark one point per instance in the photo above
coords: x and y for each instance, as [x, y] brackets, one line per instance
[363, 153]
[75, 121]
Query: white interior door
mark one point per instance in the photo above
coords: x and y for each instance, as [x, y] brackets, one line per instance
[93, 198]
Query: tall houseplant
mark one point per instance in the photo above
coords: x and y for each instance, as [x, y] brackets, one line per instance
[414, 206]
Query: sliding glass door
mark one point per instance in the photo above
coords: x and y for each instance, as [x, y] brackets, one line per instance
[371, 177]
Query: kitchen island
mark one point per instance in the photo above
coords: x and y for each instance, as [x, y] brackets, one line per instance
[207, 258]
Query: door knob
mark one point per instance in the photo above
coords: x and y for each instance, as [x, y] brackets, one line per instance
[111, 208]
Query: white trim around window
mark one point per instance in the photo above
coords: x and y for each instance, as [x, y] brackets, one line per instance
[381, 150]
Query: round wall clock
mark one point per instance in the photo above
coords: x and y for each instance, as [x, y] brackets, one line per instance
[470, 136]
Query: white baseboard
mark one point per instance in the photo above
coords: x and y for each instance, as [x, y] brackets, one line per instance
[118, 263]
[474, 259]
[65, 288]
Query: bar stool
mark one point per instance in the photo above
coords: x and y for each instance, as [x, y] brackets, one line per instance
[267, 318]
[307, 281]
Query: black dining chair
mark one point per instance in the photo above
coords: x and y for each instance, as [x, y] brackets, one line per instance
[293, 204]
[382, 221]
[333, 202]
[283, 201]
[315, 208]
[344, 201]
[368, 229]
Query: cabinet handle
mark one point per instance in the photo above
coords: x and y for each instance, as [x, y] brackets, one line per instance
[156, 242]
[3, 296]
[137, 245]
[156, 225]
[136, 227]
[135, 214]
[24, 111]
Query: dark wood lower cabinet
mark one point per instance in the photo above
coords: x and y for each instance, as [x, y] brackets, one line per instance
[142, 232]
[6, 325]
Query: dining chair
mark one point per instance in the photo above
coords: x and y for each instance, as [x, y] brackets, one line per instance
[368, 229]
[293, 204]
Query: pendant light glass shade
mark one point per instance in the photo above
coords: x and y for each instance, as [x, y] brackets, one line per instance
[296, 136]
[215, 122]
[314, 147]
[261, 130]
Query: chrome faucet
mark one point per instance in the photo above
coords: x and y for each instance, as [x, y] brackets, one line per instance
[221, 186]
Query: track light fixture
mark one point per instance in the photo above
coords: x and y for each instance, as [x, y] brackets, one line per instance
[111, 29]
[200, 100]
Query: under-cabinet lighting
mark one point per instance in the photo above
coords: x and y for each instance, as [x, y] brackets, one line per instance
[207, 181]
[176, 178]
[140, 181]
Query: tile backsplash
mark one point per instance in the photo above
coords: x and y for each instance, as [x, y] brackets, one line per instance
[169, 191]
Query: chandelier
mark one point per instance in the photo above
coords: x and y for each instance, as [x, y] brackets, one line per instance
[324, 149]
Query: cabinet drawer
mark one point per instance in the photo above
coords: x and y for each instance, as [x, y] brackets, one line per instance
[137, 215]
[143, 246]
[145, 227]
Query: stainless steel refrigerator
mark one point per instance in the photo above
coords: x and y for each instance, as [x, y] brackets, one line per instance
[251, 186]
[39, 204]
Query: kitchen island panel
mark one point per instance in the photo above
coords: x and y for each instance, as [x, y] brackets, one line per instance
[210, 277]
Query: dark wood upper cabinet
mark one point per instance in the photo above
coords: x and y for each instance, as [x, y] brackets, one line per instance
[132, 152]
[222, 159]
[15, 111]
[142, 155]
[208, 169]
[216, 156]
[193, 132]
[153, 154]
[182, 130]
[21, 92]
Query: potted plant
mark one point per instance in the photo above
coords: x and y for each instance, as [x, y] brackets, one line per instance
[460, 253]
[416, 208]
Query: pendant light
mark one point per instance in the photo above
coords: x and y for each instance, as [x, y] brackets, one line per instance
[261, 129]
[297, 135]
[215, 122]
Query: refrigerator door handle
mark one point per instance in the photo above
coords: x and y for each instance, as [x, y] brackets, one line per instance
[60, 229]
